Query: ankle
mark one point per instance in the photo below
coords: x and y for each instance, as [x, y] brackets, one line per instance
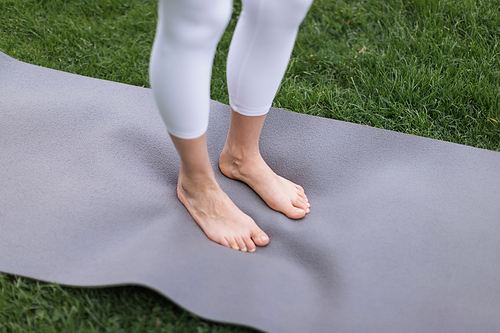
[240, 164]
[197, 180]
[239, 155]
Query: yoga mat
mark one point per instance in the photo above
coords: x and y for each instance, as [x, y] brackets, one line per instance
[403, 234]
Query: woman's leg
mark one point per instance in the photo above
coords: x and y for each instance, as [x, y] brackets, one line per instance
[187, 35]
[259, 53]
[241, 160]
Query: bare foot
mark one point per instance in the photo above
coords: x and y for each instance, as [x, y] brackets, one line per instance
[279, 193]
[218, 216]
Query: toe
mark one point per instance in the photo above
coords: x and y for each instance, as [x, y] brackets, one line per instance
[241, 244]
[300, 188]
[260, 239]
[223, 242]
[295, 213]
[249, 244]
[300, 203]
[232, 243]
[302, 195]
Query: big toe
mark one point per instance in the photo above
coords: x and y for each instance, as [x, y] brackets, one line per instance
[295, 213]
[260, 239]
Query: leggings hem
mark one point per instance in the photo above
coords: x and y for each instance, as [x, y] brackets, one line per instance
[188, 136]
[248, 111]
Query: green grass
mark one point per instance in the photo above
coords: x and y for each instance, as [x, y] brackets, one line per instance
[32, 306]
[424, 67]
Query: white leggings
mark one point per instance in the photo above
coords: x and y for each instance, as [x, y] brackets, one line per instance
[186, 38]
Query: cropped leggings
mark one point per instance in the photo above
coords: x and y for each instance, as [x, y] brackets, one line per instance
[186, 38]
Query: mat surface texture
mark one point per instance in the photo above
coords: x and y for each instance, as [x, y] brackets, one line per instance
[403, 234]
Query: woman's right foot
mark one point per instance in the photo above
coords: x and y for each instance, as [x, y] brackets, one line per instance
[217, 215]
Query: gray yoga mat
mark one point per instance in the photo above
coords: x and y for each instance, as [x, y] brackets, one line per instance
[403, 234]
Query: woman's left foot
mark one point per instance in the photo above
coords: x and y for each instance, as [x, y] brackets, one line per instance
[277, 192]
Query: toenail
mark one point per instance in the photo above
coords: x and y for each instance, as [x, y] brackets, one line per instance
[264, 238]
[235, 247]
[244, 249]
[252, 250]
[308, 210]
[299, 211]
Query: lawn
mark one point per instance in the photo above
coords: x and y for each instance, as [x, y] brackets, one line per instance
[423, 67]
